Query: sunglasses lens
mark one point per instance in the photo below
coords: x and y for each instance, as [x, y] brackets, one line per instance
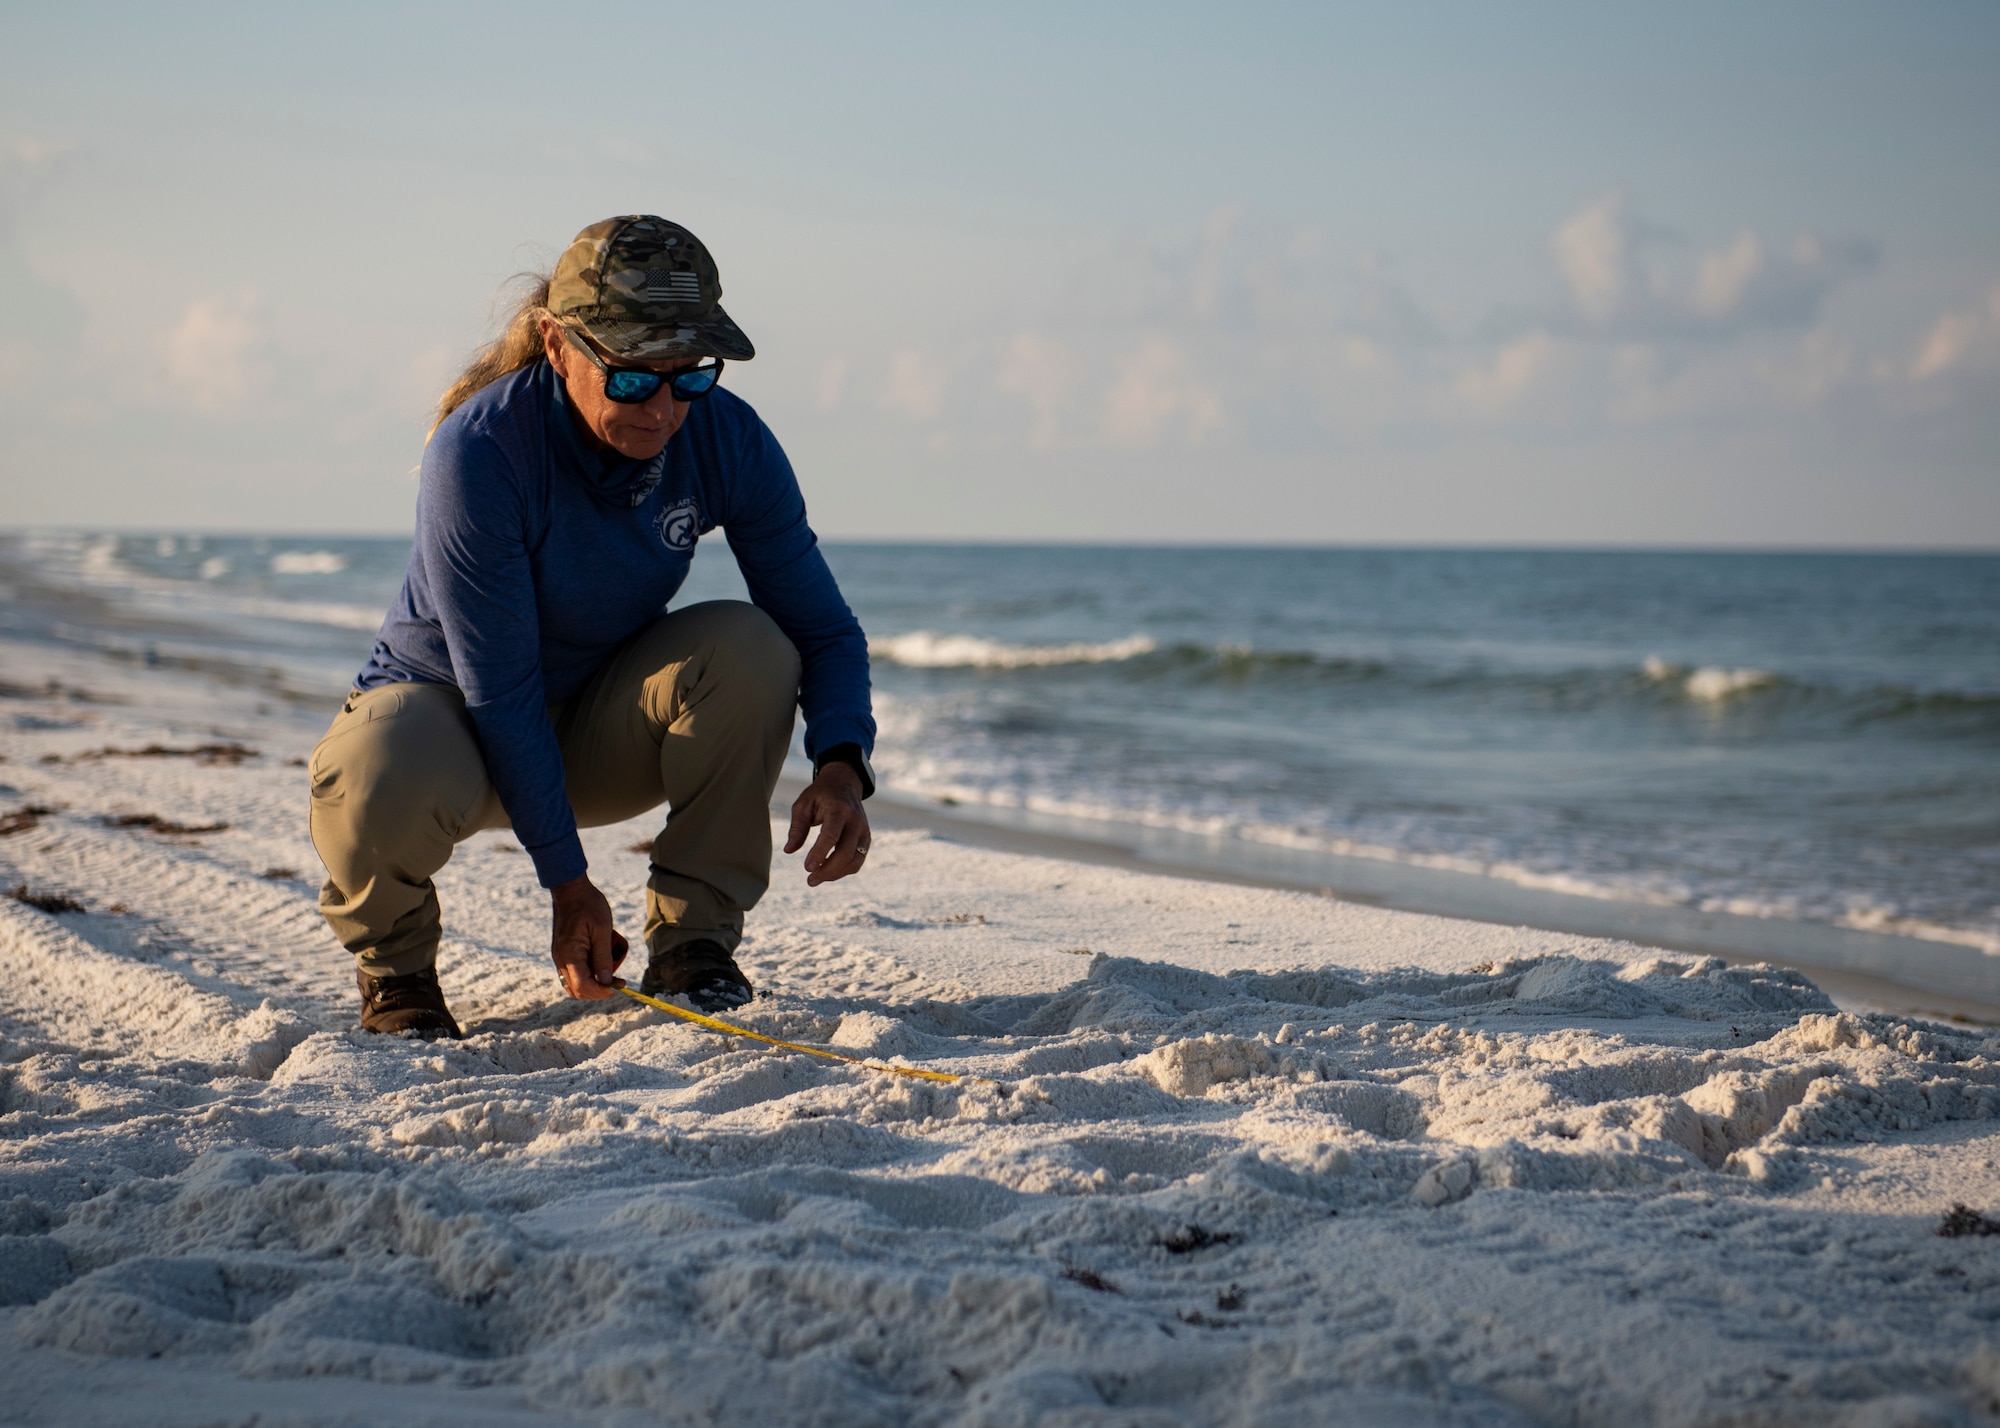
[695, 383]
[629, 386]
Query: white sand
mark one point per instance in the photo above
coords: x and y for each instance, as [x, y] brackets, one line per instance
[1395, 1169]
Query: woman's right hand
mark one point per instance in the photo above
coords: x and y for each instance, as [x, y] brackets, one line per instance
[584, 945]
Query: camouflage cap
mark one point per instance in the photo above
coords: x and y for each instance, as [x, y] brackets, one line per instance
[647, 290]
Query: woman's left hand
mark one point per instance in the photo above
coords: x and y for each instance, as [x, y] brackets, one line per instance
[832, 804]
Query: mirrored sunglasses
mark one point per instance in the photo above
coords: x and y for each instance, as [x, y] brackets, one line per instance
[632, 385]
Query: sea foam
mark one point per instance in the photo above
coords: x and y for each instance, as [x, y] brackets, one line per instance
[308, 562]
[1710, 684]
[925, 649]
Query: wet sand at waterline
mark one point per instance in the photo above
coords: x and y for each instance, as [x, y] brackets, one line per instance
[1861, 970]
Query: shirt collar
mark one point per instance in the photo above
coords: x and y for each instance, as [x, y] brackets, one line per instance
[606, 475]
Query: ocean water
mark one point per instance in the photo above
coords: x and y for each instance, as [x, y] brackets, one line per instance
[1806, 736]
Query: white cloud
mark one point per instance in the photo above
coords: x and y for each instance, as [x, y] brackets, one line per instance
[915, 386]
[1726, 274]
[1594, 251]
[210, 359]
[1945, 346]
[1239, 333]
[1044, 372]
[1365, 356]
[30, 153]
[1516, 373]
[1623, 284]
[28, 169]
[1152, 388]
[1958, 342]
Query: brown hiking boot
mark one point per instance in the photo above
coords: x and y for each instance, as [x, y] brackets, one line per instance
[413, 1002]
[703, 972]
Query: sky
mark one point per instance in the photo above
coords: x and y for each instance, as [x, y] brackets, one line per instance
[1689, 274]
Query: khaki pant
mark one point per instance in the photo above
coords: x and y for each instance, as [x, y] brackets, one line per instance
[694, 711]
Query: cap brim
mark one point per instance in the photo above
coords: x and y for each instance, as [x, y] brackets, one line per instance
[715, 336]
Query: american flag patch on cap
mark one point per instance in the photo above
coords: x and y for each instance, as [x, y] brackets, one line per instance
[672, 285]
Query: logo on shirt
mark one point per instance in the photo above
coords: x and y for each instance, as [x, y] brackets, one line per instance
[679, 525]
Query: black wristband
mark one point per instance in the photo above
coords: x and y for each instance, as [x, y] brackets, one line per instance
[851, 755]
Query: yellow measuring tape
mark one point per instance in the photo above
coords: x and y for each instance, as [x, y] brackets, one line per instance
[714, 1025]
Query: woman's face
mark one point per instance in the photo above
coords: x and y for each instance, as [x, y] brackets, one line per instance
[640, 430]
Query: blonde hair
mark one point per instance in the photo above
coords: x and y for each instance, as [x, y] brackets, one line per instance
[518, 345]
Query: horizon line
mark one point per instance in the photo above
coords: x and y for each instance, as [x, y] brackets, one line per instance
[1120, 543]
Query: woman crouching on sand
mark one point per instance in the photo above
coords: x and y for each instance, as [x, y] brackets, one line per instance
[530, 676]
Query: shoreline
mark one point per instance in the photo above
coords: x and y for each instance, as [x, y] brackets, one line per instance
[1882, 970]
[1879, 970]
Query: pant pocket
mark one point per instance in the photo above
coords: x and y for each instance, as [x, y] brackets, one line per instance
[362, 708]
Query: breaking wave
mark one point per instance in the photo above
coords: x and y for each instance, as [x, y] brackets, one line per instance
[308, 562]
[1656, 686]
[925, 649]
[1710, 684]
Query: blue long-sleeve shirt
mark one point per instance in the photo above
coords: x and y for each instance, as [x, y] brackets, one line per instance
[536, 557]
